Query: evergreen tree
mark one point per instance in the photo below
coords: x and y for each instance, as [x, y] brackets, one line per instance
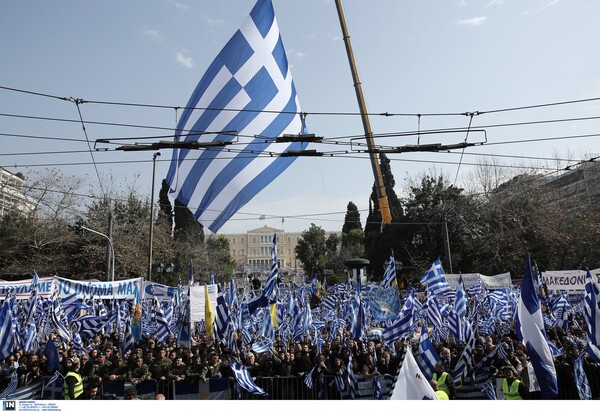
[352, 220]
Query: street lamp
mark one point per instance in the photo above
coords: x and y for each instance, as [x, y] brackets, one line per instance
[151, 217]
[112, 249]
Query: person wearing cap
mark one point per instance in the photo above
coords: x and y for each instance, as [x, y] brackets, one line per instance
[117, 370]
[198, 369]
[513, 388]
[445, 381]
[73, 383]
[139, 373]
[100, 367]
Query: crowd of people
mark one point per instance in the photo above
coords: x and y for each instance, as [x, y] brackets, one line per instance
[102, 361]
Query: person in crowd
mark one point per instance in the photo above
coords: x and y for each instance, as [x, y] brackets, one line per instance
[73, 382]
[91, 392]
[178, 370]
[512, 388]
[441, 395]
[140, 373]
[445, 381]
[130, 394]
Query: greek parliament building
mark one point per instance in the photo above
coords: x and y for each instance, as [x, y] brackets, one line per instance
[252, 250]
[11, 195]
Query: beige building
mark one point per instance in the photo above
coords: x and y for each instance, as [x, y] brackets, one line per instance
[252, 250]
[11, 195]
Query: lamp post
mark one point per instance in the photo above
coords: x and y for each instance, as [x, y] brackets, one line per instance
[151, 217]
[112, 249]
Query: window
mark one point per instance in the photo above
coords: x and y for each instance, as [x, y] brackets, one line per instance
[233, 241]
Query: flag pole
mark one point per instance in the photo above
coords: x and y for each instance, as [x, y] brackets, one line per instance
[386, 217]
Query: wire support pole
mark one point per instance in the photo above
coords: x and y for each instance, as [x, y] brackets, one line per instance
[151, 237]
[386, 217]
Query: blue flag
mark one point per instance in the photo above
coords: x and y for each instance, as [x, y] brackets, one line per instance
[529, 326]
[52, 355]
[246, 96]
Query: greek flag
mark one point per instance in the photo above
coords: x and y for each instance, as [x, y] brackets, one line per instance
[529, 327]
[244, 379]
[591, 311]
[581, 380]
[33, 299]
[77, 343]
[12, 385]
[162, 324]
[389, 276]
[308, 378]
[128, 342]
[246, 96]
[270, 290]
[221, 317]
[435, 281]
[428, 356]
[59, 320]
[460, 300]
[434, 316]
[464, 362]
[402, 326]
[7, 333]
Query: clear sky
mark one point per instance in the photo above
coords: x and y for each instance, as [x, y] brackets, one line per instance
[435, 58]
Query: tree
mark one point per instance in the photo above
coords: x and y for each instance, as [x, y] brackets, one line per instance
[374, 218]
[311, 250]
[219, 260]
[352, 219]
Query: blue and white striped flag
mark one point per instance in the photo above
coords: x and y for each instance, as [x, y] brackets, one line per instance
[581, 380]
[7, 333]
[402, 326]
[308, 378]
[434, 316]
[247, 97]
[59, 319]
[11, 387]
[591, 311]
[243, 378]
[435, 281]
[460, 299]
[128, 342]
[428, 356]
[389, 276]
[221, 317]
[529, 327]
[33, 299]
[270, 289]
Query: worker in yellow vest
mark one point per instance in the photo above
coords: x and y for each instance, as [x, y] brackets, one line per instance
[513, 388]
[445, 381]
[441, 395]
[73, 383]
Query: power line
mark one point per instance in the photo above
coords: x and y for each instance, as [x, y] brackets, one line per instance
[385, 114]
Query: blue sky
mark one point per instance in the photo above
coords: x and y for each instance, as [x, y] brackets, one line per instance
[427, 57]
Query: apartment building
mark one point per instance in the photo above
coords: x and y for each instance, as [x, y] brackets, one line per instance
[11, 195]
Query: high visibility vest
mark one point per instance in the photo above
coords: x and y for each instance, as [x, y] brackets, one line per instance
[442, 382]
[511, 393]
[78, 390]
[442, 395]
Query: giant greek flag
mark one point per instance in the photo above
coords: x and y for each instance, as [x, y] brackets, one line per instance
[247, 97]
